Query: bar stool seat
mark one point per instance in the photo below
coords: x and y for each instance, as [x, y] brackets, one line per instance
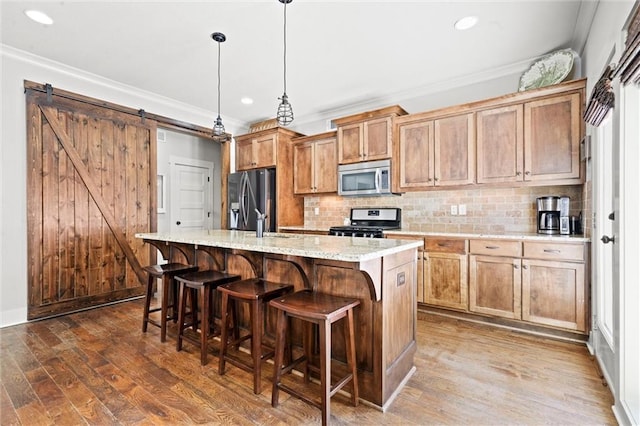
[256, 292]
[167, 273]
[201, 285]
[322, 310]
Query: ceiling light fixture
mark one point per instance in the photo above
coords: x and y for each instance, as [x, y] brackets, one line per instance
[465, 23]
[246, 100]
[218, 129]
[39, 17]
[285, 112]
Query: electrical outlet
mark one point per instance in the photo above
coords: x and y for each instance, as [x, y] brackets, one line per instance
[316, 211]
[462, 209]
[454, 210]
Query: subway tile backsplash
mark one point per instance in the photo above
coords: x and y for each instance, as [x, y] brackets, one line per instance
[495, 210]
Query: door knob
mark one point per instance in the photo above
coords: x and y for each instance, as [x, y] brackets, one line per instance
[178, 223]
[606, 239]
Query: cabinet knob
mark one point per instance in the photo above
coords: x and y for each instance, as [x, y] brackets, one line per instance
[525, 267]
[527, 173]
[518, 173]
[516, 266]
[436, 179]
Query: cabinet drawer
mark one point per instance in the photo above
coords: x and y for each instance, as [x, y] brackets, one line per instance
[443, 245]
[496, 247]
[554, 251]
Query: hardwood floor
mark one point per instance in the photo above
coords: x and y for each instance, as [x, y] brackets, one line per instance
[96, 367]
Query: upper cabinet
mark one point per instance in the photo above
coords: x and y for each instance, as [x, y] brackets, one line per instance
[315, 164]
[528, 138]
[530, 142]
[366, 136]
[256, 151]
[552, 135]
[500, 144]
[435, 152]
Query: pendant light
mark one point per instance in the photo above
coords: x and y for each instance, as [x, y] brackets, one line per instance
[219, 133]
[285, 112]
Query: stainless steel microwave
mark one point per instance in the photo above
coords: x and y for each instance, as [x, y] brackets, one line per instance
[369, 178]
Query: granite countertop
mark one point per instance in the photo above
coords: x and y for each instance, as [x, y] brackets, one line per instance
[530, 236]
[312, 246]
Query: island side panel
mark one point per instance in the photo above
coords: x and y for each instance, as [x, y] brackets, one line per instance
[346, 281]
[398, 320]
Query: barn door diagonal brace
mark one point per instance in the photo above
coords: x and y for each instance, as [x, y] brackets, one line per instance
[85, 175]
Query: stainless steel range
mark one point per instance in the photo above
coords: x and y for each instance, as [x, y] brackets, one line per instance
[369, 222]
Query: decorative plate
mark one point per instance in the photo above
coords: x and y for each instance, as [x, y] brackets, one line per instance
[548, 70]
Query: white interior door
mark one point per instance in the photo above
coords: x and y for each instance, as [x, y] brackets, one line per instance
[191, 194]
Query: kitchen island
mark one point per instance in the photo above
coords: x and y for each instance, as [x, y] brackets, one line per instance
[379, 272]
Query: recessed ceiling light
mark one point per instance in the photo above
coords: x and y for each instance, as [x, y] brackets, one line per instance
[465, 23]
[246, 101]
[39, 17]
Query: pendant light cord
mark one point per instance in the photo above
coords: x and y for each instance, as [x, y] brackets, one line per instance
[285, 46]
[218, 79]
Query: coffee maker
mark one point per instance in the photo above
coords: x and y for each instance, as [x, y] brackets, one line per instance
[553, 215]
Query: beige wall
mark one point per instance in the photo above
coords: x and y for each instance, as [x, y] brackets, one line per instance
[488, 209]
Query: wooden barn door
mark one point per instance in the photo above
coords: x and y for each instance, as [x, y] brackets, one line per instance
[89, 182]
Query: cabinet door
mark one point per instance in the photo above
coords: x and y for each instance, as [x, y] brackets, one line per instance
[265, 151]
[500, 144]
[303, 168]
[416, 155]
[350, 139]
[377, 139]
[244, 154]
[495, 286]
[552, 129]
[553, 293]
[454, 150]
[445, 280]
[326, 166]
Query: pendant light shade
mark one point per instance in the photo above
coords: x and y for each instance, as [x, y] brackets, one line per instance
[285, 112]
[219, 133]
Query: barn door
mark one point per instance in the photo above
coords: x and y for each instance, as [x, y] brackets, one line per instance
[89, 176]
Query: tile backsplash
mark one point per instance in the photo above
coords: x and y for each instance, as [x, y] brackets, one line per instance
[494, 210]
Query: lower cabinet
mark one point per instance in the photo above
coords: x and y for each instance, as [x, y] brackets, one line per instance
[537, 282]
[545, 284]
[445, 273]
[554, 286]
[495, 286]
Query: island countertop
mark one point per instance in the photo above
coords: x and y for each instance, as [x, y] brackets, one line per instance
[346, 249]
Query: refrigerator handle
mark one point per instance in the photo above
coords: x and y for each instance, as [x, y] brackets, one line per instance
[244, 199]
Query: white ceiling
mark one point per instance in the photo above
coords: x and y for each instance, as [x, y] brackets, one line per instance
[339, 53]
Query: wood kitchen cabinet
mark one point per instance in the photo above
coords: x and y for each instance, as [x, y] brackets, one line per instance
[273, 148]
[544, 284]
[530, 142]
[366, 136]
[554, 285]
[256, 151]
[435, 152]
[445, 268]
[315, 164]
[495, 281]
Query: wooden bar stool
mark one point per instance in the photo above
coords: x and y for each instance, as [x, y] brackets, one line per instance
[256, 293]
[323, 310]
[201, 285]
[167, 273]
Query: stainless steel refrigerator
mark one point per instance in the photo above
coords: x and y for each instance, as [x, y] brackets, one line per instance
[250, 191]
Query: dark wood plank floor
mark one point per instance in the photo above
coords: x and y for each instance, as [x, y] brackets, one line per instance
[96, 367]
